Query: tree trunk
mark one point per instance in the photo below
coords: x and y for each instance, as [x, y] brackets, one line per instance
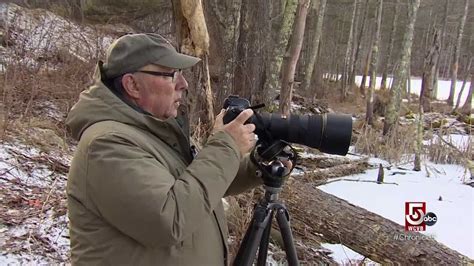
[388, 55]
[366, 68]
[359, 43]
[457, 49]
[466, 78]
[434, 94]
[429, 72]
[466, 108]
[313, 51]
[400, 77]
[281, 37]
[250, 67]
[369, 234]
[291, 57]
[224, 19]
[419, 138]
[373, 66]
[192, 35]
[345, 84]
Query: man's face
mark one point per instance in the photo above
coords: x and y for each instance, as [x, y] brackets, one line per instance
[159, 95]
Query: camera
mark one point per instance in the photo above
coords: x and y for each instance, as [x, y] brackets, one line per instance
[329, 133]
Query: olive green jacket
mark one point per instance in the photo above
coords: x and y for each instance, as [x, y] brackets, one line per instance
[135, 194]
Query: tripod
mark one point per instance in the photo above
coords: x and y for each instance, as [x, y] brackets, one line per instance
[258, 231]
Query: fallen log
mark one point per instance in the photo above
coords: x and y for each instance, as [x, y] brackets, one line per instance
[367, 233]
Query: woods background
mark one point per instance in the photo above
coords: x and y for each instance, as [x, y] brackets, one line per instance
[297, 51]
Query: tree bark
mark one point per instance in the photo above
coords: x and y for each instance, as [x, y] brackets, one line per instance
[369, 234]
[291, 58]
[466, 78]
[466, 108]
[429, 72]
[345, 84]
[457, 48]
[193, 38]
[224, 19]
[373, 66]
[442, 47]
[400, 77]
[313, 51]
[388, 55]
[272, 81]
[366, 67]
[250, 67]
[359, 44]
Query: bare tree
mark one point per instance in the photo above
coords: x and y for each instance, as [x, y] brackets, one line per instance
[280, 40]
[434, 94]
[388, 55]
[291, 58]
[192, 35]
[466, 108]
[347, 58]
[223, 21]
[429, 72]
[467, 76]
[314, 46]
[373, 66]
[457, 48]
[359, 43]
[400, 77]
[367, 63]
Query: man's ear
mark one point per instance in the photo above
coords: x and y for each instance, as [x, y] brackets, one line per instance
[130, 86]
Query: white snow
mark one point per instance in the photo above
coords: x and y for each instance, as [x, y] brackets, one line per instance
[444, 194]
[443, 87]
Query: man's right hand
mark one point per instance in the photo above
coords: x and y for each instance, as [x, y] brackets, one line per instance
[241, 133]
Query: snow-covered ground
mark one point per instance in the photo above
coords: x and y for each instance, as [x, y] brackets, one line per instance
[443, 87]
[444, 194]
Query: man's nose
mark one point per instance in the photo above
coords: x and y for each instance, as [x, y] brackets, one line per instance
[181, 83]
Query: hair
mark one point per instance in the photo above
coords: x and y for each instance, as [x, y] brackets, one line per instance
[117, 85]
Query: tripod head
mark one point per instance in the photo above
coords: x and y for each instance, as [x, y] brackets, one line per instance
[269, 161]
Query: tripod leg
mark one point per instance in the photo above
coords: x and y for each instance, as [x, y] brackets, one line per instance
[248, 248]
[263, 249]
[283, 219]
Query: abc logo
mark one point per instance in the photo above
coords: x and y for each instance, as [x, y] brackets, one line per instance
[430, 219]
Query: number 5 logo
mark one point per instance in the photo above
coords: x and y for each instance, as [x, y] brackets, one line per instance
[415, 211]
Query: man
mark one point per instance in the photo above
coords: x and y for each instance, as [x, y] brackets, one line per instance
[136, 195]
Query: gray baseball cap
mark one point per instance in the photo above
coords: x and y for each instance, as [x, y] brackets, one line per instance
[133, 51]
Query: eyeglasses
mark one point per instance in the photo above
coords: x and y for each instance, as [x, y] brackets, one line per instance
[173, 75]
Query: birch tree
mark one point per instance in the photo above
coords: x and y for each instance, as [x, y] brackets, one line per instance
[457, 48]
[400, 77]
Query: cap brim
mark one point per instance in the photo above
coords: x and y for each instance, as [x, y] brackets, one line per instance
[177, 60]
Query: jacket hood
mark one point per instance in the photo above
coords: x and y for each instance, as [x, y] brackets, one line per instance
[99, 103]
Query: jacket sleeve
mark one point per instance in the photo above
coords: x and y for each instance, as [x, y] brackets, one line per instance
[136, 194]
[246, 177]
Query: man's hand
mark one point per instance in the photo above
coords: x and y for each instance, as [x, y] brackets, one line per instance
[241, 133]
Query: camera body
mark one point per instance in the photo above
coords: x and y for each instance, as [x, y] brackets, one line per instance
[234, 105]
